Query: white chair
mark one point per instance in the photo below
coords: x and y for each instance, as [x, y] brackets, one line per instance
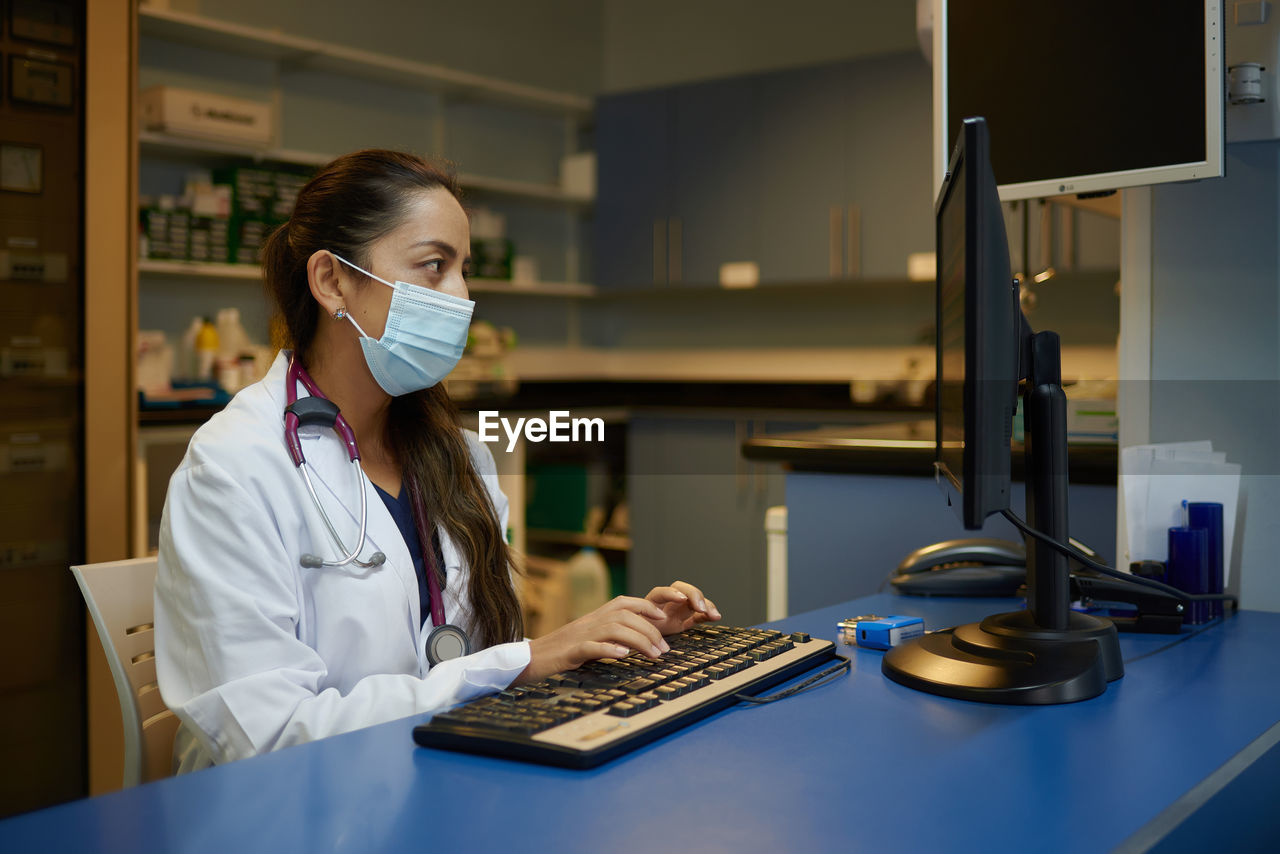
[118, 595]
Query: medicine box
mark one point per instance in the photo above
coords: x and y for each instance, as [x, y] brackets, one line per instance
[186, 112]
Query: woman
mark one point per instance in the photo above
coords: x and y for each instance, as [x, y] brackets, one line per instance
[259, 642]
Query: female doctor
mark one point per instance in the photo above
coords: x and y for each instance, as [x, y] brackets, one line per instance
[319, 573]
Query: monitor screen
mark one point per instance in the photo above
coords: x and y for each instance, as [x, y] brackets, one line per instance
[979, 334]
[1083, 95]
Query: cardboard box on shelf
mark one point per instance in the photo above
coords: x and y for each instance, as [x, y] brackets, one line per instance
[186, 112]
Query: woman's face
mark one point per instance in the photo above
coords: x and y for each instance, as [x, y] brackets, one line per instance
[431, 248]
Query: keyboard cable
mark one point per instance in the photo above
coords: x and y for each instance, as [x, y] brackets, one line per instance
[829, 674]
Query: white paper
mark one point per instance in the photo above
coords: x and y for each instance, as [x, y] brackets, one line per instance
[1157, 479]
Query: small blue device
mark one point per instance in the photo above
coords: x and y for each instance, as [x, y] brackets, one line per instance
[877, 632]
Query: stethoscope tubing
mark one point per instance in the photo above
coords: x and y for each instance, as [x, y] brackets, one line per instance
[295, 375]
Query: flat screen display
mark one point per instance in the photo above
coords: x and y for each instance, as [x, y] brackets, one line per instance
[951, 327]
[1084, 95]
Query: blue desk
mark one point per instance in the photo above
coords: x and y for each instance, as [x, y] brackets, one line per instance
[1186, 734]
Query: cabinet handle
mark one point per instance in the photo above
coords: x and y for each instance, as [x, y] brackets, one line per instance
[855, 242]
[659, 251]
[835, 242]
[675, 251]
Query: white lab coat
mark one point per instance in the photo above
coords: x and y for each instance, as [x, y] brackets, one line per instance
[255, 652]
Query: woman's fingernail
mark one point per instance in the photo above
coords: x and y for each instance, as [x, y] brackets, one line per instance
[702, 605]
[715, 613]
[664, 646]
[656, 652]
[621, 652]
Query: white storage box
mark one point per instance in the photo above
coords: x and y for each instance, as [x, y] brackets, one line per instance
[186, 112]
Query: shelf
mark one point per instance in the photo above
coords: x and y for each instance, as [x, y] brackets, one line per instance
[605, 542]
[538, 289]
[527, 190]
[157, 144]
[198, 270]
[315, 55]
[200, 151]
[195, 269]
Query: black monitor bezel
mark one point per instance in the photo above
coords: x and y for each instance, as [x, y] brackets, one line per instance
[992, 336]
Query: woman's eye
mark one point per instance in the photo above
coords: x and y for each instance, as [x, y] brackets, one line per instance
[435, 265]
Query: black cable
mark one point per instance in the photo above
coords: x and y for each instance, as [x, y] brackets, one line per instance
[1075, 554]
[1214, 623]
[815, 681]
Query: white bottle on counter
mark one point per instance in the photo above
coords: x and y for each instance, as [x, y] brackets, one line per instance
[588, 577]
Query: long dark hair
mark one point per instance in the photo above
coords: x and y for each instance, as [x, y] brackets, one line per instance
[350, 204]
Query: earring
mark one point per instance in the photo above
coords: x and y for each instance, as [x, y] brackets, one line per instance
[340, 313]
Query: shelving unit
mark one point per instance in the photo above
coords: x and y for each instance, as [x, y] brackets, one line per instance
[204, 151]
[197, 270]
[298, 51]
[545, 220]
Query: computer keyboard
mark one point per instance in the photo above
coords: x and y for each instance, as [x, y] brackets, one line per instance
[583, 717]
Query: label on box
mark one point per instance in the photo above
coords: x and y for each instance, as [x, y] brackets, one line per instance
[190, 113]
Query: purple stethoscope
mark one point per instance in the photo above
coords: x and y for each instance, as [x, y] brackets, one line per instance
[445, 641]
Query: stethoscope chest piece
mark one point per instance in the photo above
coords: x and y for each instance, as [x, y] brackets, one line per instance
[446, 642]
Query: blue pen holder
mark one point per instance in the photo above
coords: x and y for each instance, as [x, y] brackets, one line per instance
[1188, 568]
[1208, 515]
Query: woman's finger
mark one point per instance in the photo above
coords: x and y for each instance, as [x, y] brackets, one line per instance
[646, 628]
[696, 599]
[591, 650]
[632, 637]
[667, 594]
[636, 605]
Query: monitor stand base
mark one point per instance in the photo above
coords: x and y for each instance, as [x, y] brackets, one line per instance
[1008, 659]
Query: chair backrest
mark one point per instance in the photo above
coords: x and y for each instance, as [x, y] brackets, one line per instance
[119, 597]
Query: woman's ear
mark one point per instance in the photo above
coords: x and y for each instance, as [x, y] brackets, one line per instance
[324, 278]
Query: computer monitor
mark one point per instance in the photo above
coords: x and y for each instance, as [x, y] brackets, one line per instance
[987, 355]
[1084, 96]
[978, 335]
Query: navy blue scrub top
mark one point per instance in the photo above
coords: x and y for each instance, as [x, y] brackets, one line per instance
[401, 510]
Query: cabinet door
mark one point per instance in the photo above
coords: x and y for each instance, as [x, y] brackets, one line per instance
[888, 161]
[717, 175]
[634, 177]
[697, 512]
[799, 148]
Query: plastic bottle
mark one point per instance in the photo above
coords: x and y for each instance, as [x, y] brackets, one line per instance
[232, 339]
[189, 367]
[588, 578]
[206, 350]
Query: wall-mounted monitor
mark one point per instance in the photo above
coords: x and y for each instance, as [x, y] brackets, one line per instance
[1082, 96]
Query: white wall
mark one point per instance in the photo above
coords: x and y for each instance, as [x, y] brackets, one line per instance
[1215, 339]
[662, 42]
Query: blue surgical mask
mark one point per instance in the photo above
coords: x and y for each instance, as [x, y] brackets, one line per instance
[424, 337]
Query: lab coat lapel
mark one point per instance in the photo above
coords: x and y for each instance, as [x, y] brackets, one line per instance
[335, 478]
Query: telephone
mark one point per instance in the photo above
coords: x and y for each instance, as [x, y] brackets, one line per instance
[970, 567]
[991, 567]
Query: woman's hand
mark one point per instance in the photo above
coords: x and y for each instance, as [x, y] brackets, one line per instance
[683, 605]
[616, 628]
[610, 631]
